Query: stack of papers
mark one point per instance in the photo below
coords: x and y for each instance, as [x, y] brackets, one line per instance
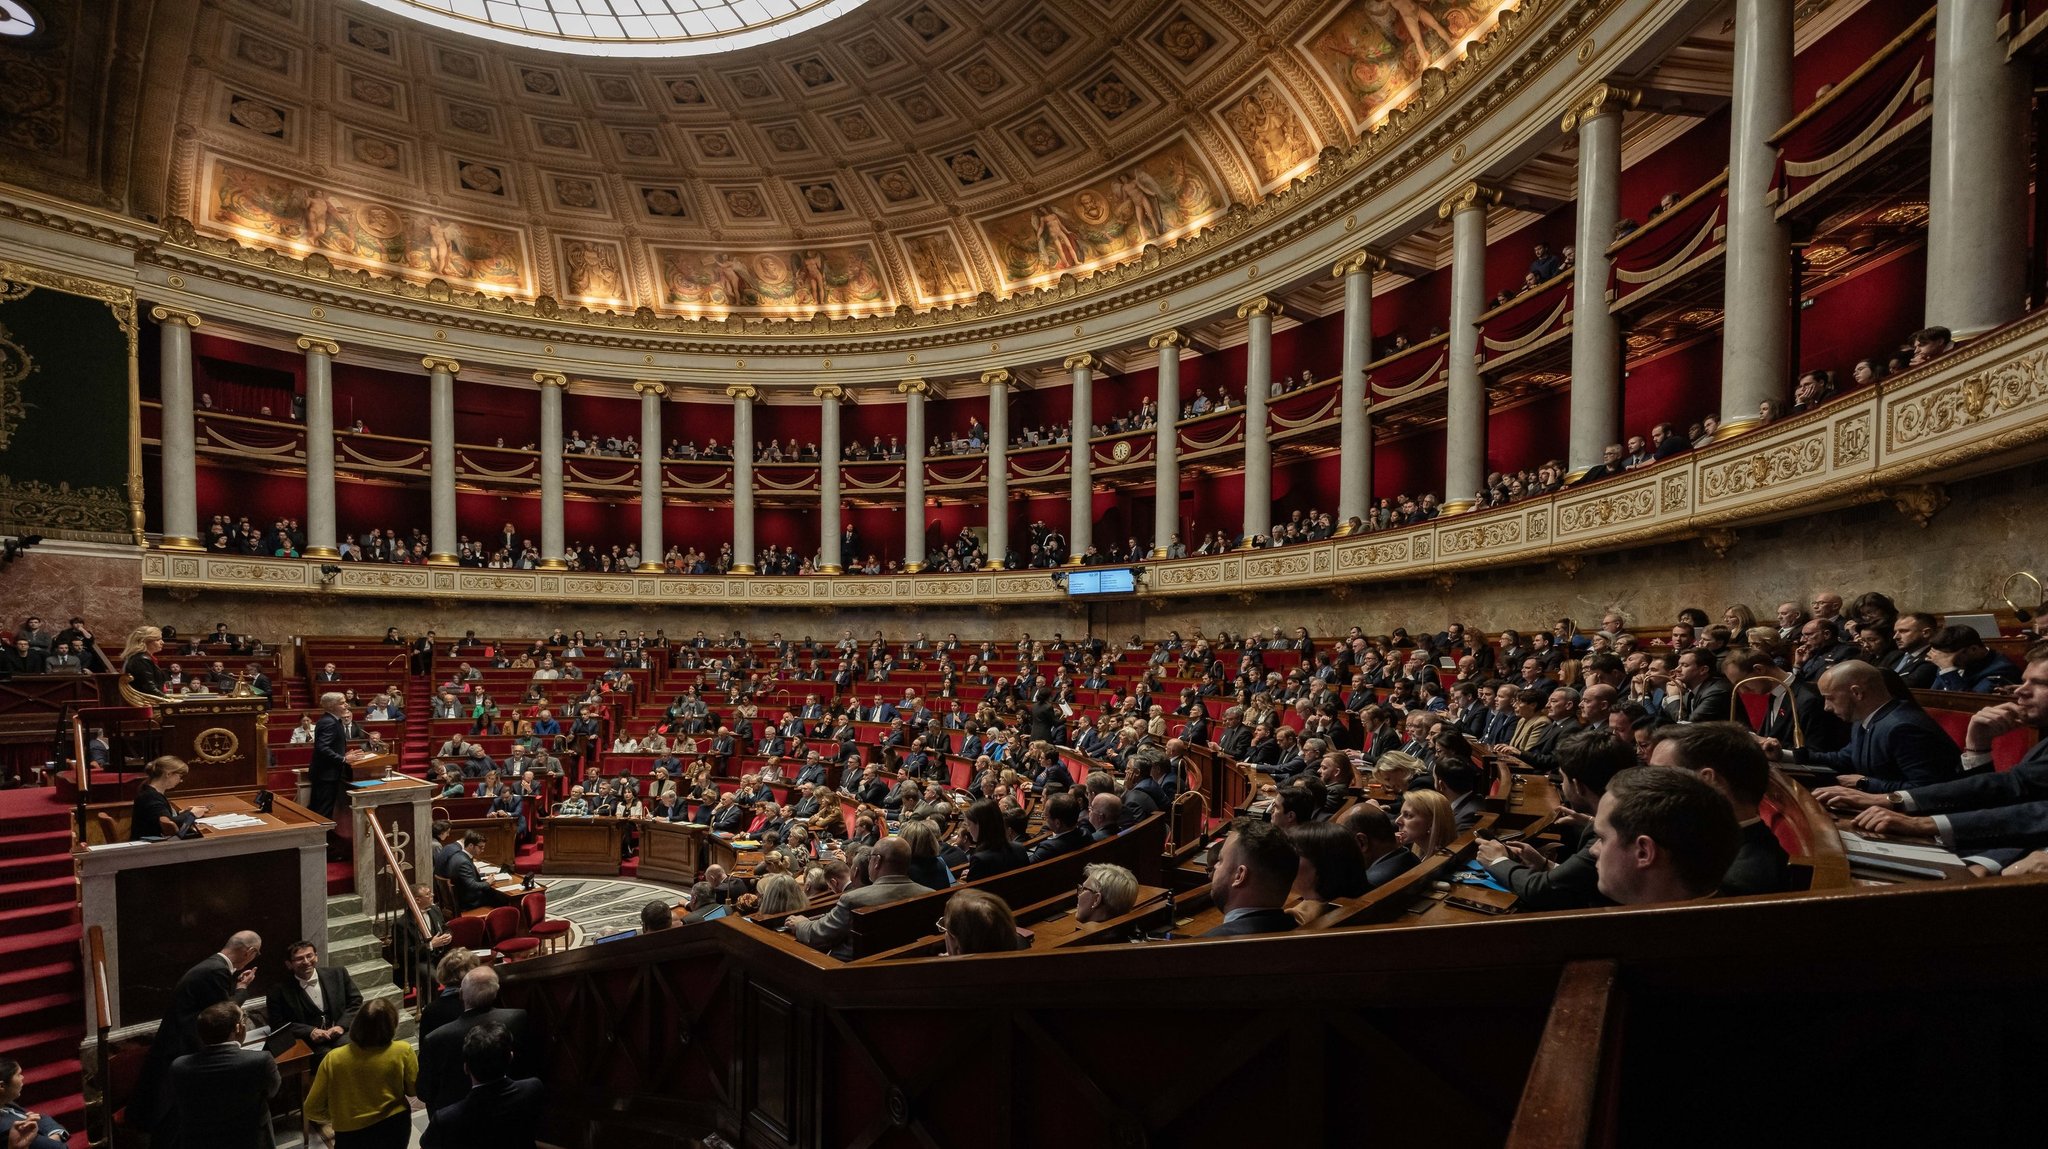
[231, 821]
[1914, 858]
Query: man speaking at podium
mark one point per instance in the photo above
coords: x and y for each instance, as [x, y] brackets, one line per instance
[329, 773]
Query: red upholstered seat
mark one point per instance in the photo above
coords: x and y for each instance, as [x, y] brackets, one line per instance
[467, 932]
[1788, 830]
[549, 933]
[502, 927]
[1756, 706]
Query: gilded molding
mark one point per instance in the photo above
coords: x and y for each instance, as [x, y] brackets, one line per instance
[1599, 100]
[650, 387]
[551, 379]
[435, 364]
[1358, 261]
[743, 392]
[913, 387]
[1264, 305]
[999, 378]
[164, 314]
[311, 343]
[828, 391]
[1083, 361]
[1167, 338]
[1474, 196]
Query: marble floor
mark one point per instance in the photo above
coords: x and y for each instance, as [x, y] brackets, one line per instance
[598, 907]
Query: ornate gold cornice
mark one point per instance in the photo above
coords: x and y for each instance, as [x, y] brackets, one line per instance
[1167, 338]
[828, 392]
[1598, 100]
[311, 343]
[1357, 261]
[650, 387]
[998, 378]
[172, 315]
[913, 387]
[435, 364]
[1082, 361]
[1474, 196]
[1264, 305]
[742, 391]
[551, 379]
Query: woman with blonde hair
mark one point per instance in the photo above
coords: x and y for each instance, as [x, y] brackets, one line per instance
[978, 922]
[1395, 770]
[153, 816]
[1107, 891]
[926, 868]
[782, 894]
[138, 660]
[1738, 618]
[1425, 823]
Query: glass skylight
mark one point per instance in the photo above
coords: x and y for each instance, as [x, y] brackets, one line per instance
[625, 27]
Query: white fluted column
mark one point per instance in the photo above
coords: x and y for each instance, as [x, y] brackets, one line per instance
[1595, 388]
[1977, 190]
[179, 433]
[320, 534]
[552, 537]
[442, 531]
[1354, 427]
[742, 397]
[1166, 448]
[998, 466]
[651, 545]
[1756, 310]
[1080, 461]
[914, 392]
[1258, 429]
[831, 508]
[1465, 396]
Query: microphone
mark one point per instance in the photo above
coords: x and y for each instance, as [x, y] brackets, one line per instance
[2019, 612]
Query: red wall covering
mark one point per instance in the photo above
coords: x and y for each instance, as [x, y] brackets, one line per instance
[1411, 464]
[1678, 168]
[1682, 386]
[1524, 436]
[1868, 315]
[1846, 46]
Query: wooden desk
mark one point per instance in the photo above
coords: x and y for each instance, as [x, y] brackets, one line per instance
[672, 851]
[164, 905]
[582, 846]
[500, 838]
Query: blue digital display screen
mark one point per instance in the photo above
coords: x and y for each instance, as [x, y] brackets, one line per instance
[1111, 580]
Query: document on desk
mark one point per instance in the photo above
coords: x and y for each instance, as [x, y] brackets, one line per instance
[1855, 843]
[231, 821]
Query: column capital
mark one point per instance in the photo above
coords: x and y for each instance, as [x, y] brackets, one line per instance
[431, 363]
[1596, 101]
[551, 379]
[742, 391]
[173, 315]
[1000, 377]
[1082, 360]
[913, 387]
[1264, 305]
[1358, 261]
[1167, 338]
[1474, 196]
[650, 387]
[327, 347]
[829, 391]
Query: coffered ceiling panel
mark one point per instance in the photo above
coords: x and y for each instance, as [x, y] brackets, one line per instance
[907, 154]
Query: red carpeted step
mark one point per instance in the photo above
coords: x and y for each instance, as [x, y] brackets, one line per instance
[45, 1045]
[21, 843]
[42, 947]
[24, 979]
[41, 891]
[30, 919]
[53, 1087]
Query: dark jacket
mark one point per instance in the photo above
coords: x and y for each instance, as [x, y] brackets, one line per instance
[208, 983]
[1053, 845]
[988, 862]
[222, 1094]
[1992, 808]
[1389, 866]
[443, 1081]
[1760, 865]
[499, 1114]
[1268, 921]
[152, 806]
[290, 1009]
[1899, 748]
[329, 771]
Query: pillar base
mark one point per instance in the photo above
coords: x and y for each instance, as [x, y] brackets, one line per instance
[741, 569]
[912, 568]
[179, 543]
[1076, 561]
[1457, 506]
[1343, 530]
[1734, 427]
[1571, 478]
[319, 553]
[648, 568]
[438, 559]
[831, 568]
[995, 565]
[551, 565]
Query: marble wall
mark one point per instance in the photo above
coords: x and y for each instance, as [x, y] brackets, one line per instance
[1990, 527]
[101, 583]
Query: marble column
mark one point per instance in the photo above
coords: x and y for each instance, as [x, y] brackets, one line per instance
[442, 530]
[1166, 452]
[1258, 429]
[1977, 190]
[651, 545]
[552, 536]
[1465, 397]
[1081, 460]
[320, 533]
[914, 392]
[1595, 389]
[831, 507]
[1757, 307]
[998, 466]
[742, 397]
[180, 434]
[1354, 463]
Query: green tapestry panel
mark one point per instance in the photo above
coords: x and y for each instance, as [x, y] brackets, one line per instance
[66, 349]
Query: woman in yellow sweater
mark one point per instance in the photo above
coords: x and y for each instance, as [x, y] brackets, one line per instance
[363, 1088]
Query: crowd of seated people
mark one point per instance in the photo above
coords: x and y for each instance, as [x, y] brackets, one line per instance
[33, 648]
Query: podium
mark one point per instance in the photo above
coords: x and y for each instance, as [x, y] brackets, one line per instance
[222, 738]
[672, 851]
[399, 807]
[589, 845]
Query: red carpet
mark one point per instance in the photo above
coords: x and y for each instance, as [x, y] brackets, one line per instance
[42, 999]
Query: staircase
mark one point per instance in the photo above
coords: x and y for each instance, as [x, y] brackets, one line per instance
[352, 943]
[42, 995]
[415, 754]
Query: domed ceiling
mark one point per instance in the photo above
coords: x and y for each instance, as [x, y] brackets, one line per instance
[908, 153]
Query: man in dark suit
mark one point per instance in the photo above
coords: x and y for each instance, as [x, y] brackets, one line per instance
[1251, 878]
[889, 862]
[223, 977]
[1914, 634]
[1588, 760]
[471, 891]
[1386, 859]
[1994, 815]
[1704, 695]
[1729, 759]
[1234, 737]
[1063, 832]
[422, 951]
[499, 1111]
[1821, 646]
[329, 773]
[221, 1091]
[316, 1003]
[1893, 744]
[442, 1081]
